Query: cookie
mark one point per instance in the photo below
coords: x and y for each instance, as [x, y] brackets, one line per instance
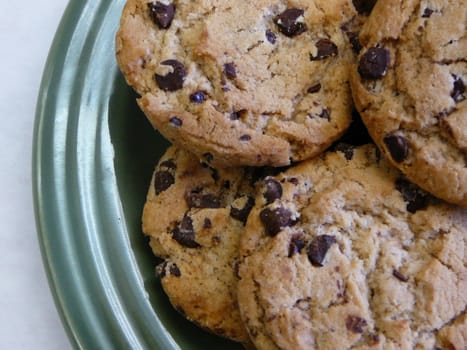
[409, 86]
[343, 252]
[242, 82]
[194, 216]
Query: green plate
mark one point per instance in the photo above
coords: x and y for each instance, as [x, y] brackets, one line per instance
[94, 153]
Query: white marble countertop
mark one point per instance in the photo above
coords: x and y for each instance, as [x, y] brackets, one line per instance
[28, 317]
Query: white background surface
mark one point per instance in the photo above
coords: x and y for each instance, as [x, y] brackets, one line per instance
[28, 318]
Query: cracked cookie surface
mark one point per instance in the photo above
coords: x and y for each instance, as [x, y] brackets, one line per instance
[242, 82]
[342, 252]
[409, 87]
[194, 216]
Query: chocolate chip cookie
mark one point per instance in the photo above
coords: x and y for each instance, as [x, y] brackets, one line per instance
[194, 216]
[242, 82]
[409, 86]
[343, 252]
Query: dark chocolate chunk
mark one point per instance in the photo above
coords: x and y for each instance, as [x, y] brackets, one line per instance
[374, 63]
[273, 190]
[345, 148]
[325, 114]
[161, 14]
[207, 223]
[174, 80]
[163, 179]
[293, 180]
[245, 138]
[314, 89]
[238, 114]
[168, 267]
[208, 157]
[354, 41]
[198, 97]
[326, 48]
[318, 248]
[241, 214]
[458, 89]
[427, 12]
[175, 121]
[184, 233]
[355, 324]
[274, 220]
[169, 164]
[230, 71]
[195, 199]
[288, 23]
[415, 197]
[399, 276]
[397, 146]
[364, 6]
[270, 36]
[296, 245]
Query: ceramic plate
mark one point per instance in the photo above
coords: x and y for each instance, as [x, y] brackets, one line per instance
[93, 158]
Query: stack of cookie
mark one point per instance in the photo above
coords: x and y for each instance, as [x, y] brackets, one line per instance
[282, 224]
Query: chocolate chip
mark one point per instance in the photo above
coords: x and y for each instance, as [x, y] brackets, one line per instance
[241, 214]
[208, 157]
[458, 90]
[184, 233]
[427, 13]
[214, 174]
[162, 181]
[326, 48]
[397, 146]
[318, 248]
[314, 89]
[195, 199]
[168, 267]
[245, 138]
[374, 63]
[296, 244]
[270, 36]
[175, 121]
[345, 148]
[354, 41]
[230, 71]
[207, 223]
[169, 164]
[198, 97]
[415, 197]
[288, 23]
[364, 6]
[237, 115]
[161, 14]
[174, 80]
[355, 324]
[273, 190]
[274, 220]
[325, 115]
[399, 276]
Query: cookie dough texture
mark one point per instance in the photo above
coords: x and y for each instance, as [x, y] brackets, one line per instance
[241, 82]
[341, 252]
[194, 216]
[413, 101]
